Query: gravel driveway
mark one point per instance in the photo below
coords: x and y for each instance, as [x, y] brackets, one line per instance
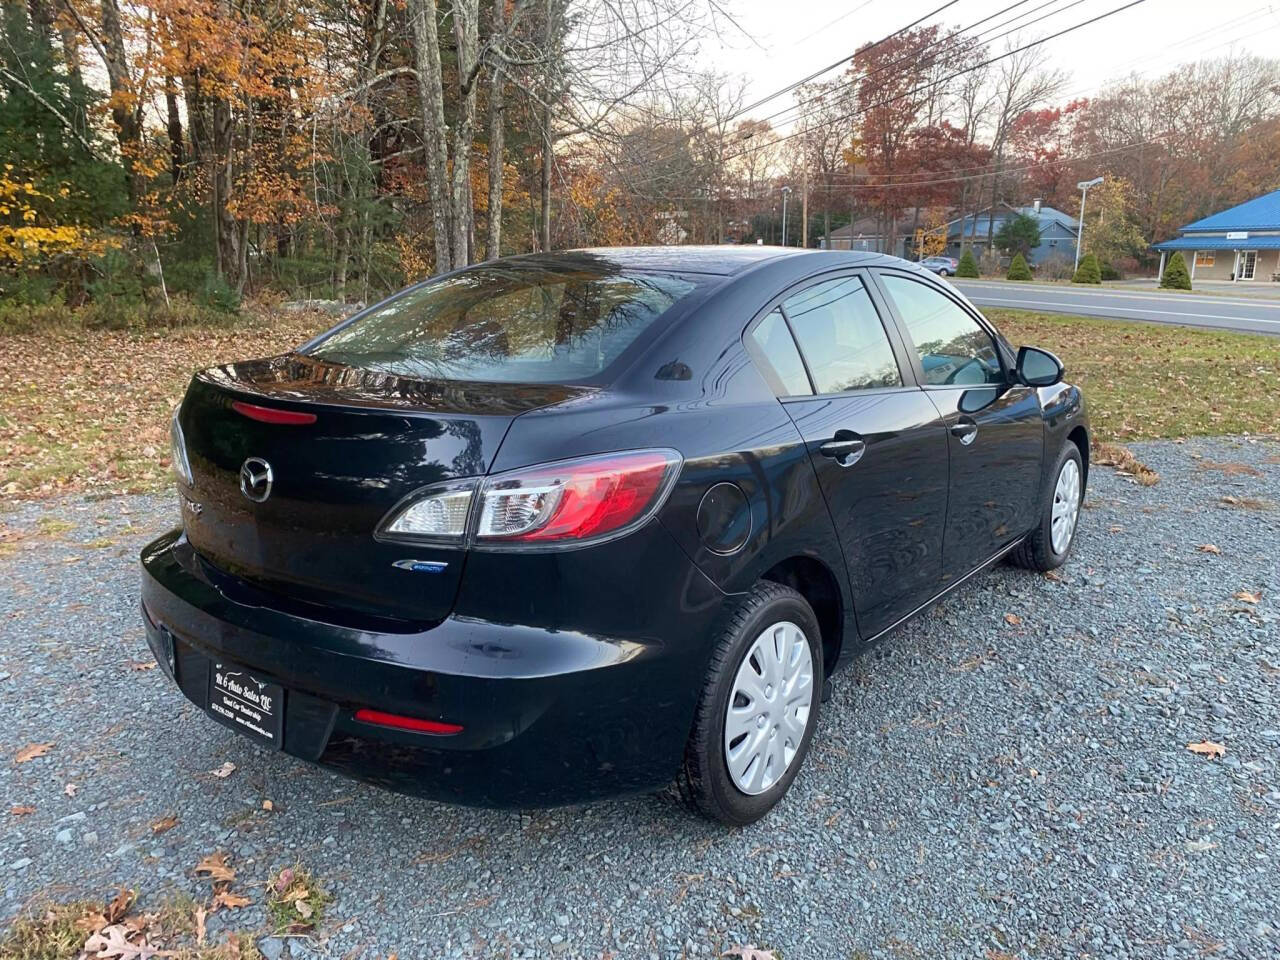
[1007, 776]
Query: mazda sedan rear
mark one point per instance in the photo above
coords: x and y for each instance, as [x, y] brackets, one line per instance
[566, 526]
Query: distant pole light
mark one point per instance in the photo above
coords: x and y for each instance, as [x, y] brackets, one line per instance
[1083, 186]
[785, 190]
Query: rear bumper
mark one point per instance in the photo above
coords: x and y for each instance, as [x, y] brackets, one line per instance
[552, 712]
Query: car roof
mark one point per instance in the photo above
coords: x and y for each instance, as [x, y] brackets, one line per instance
[724, 259]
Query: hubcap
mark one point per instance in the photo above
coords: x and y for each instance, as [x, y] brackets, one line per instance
[1066, 507]
[769, 708]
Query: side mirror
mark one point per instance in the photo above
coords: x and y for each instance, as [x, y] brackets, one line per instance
[1038, 368]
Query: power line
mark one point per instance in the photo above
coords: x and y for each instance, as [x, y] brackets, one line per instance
[958, 73]
[831, 23]
[827, 69]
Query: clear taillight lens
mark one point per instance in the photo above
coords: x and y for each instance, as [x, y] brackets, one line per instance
[438, 513]
[566, 503]
[178, 450]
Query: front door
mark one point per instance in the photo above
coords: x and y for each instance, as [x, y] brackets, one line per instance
[877, 444]
[995, 431]
[1248, 264]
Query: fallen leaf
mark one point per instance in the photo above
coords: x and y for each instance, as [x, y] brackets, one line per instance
[143, 665]
[224, 771]
[1209, 548]
[1013, 620]
[230, 901]
[112, 943]
[750, 952]
[164, 824]
[268, 805]
[119, 906]
[1207, 748]
[215, 865]
[21, 811]
[1244, 596]
[201, 915]
[1200, 846]
[70, 789]
[31, 751]
[303, 908]
[1115, 528]
[283, 880]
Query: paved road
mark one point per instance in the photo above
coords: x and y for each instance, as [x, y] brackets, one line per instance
[1222, 312]
[1007, 776]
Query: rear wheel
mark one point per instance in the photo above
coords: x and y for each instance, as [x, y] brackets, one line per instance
[944, 272]
[758, 709]
[1047, 546]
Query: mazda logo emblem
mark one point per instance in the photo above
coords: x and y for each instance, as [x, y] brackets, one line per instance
[256, 479]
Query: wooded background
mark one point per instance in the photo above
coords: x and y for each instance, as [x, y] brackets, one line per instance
[181, 154]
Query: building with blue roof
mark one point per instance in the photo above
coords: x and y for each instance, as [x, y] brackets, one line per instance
[1057, 231]
[1240, 243]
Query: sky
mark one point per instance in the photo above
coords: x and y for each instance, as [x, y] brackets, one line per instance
[793, 38]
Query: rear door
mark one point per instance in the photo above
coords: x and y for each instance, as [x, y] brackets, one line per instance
[995, 428]
[876, 442]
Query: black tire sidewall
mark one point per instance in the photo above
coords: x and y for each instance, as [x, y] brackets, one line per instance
[736, 806]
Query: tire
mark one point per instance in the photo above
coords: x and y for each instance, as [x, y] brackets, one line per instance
[1038, 551]
[944, 272]
[706, 782]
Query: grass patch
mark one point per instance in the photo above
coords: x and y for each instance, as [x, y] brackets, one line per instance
[53, 931]
[1146, 381]
[295, 901]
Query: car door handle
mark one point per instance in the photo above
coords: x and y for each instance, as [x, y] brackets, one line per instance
[844, 450]
[966, 431]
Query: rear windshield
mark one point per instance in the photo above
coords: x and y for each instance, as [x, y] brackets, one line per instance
[511, 323]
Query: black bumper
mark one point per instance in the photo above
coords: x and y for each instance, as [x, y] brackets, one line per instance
[551, 712]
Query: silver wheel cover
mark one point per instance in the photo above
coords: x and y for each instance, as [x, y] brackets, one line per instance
[769, 708]
[1066, 507]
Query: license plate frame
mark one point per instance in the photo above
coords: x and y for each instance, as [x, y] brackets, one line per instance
[246, 703]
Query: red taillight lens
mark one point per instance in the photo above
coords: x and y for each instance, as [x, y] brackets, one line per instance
[575, 500]
[271, 414]
[394, 720]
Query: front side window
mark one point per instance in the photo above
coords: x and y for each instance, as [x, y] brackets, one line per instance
[518, 323]
[1205, 258]
[841, 336]
[952, 346]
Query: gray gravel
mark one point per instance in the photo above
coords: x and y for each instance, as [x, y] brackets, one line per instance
[981, 782]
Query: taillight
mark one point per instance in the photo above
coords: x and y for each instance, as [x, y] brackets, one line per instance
[397, 722]
[563, 504]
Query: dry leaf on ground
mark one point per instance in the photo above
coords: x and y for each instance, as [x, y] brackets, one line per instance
[750, 952]
[215, 866]
[119, 906]
[142, 665]
[70, 789]
[1244, 596]
[21, 810]
[31, 751]
[1013, 620]
[224, 771]
[200, 916]
[1207, 748]
[225, 899]
[1209, 548]
[164, 824]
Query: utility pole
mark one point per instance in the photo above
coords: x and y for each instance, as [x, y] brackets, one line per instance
[785, 190]
[1083, 186]
[804, 207]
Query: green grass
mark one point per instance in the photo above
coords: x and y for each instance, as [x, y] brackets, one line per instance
[1146, 381]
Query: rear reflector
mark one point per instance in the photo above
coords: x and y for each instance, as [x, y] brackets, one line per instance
[271, 414]
[378, 718]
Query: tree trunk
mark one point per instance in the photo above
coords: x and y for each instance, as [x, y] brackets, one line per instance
[493, 226]
[544, 126]
[177, 150]
[123, 101]
[466, 14]
[426, 53]
[226, 230]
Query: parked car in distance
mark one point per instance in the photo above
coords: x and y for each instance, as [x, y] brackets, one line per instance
[564, 526]
[942, 266]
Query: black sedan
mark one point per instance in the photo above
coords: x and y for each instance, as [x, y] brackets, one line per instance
[564, 526]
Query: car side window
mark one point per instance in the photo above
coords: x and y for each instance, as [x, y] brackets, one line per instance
[952, 346]
[841, 337]
[776, 351]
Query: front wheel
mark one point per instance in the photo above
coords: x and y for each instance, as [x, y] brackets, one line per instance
[758, 709]
[944, 272]
[1047, 546]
